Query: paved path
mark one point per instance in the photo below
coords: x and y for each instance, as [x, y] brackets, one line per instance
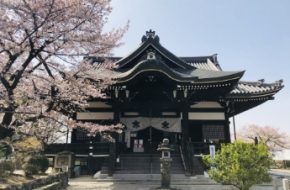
[88, 183]
[280, 173]
[134, 186]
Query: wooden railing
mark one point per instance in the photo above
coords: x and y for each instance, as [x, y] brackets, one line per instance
[187, 155]
[190, 149]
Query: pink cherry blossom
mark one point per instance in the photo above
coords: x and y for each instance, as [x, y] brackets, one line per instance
[44, 77]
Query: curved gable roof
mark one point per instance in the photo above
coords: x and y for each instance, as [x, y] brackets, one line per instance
[192, 75]
[150, 40]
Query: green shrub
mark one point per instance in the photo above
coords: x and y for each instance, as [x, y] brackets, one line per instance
[30, 169]
[19, 160]
[5, 149]
[240, 164]
[40, 161]
[35, 164]
[6, 167]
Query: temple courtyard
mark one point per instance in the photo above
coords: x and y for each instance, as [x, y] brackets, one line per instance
[142, 182]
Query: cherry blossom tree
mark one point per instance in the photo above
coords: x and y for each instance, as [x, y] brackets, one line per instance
[275, 139]
[44, 74]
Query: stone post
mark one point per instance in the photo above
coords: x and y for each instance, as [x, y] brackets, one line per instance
[285, 183]
[165, 165]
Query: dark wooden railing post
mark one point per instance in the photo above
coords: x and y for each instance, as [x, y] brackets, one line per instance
[188, 158]
[112, 159]
[183, 152]
[191, 155]
[188, 153]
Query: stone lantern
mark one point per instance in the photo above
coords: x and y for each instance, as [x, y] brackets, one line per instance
[165, 164]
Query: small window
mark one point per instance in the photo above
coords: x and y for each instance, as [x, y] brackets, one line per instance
[80, 161]
[50, 161]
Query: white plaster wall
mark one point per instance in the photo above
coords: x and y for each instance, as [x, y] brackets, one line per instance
[206, 116]
[95, 115]
[206, 105]
[98, 105]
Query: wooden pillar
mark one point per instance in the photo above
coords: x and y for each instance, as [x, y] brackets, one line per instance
[227, 129]
[117, 120]
[116, 115]
[74, 131]
[184, 127]
[74, 136]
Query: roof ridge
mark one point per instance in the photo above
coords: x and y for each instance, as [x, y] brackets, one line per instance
[256, 87]
[191, 57]
[261, 82]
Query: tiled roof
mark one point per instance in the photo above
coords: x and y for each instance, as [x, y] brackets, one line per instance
[203, 62]
[195, 75]
[208, 65]
[258, 87]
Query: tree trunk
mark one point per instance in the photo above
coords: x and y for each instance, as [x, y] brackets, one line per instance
[5, 132]
[6, 121]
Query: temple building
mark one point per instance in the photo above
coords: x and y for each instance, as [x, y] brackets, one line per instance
[157, 95]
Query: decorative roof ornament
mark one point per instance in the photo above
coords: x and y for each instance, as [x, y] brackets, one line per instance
[278, 83]
[150, 35]
[260, 82]
[151, 55]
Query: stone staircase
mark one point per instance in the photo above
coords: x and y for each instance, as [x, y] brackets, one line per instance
[133, 164]
[143, 163]
[176, 164]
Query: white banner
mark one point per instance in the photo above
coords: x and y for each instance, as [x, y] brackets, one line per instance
[163, 124]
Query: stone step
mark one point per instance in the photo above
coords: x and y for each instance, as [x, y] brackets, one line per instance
[142, 163]
[173, 170]
[155, 178]
[146, 155]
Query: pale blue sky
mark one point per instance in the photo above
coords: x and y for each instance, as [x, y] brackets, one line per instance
[251, 35]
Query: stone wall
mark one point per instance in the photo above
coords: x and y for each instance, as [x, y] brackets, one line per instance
[52, 182]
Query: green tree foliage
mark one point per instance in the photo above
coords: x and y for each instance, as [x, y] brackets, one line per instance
[240, 164]
[6, 168]
[30, 169]
[40, 161]
[5, 149]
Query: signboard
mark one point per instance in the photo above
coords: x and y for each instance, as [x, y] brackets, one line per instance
[212, 151]
[62, 160]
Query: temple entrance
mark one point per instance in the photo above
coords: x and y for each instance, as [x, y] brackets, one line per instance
[148, 139]
[144, 134]
[151, 138]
